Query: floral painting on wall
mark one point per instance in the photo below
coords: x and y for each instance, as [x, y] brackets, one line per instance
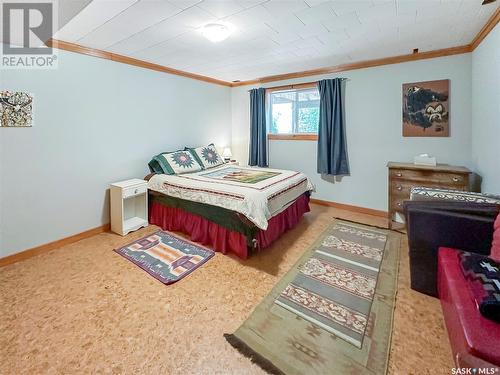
[16, 109]
[426, 109]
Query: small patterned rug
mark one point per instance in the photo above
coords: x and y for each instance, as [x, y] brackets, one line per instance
[332, 312]
[165, 256]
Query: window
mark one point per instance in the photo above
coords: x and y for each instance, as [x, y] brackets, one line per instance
[294, 113]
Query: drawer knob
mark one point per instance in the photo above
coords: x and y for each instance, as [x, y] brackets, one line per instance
[135, 191]
[399, 188]
[399, 204]
[399, 174]
[455, 179]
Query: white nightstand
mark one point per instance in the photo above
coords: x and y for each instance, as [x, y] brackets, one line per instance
[129, 205]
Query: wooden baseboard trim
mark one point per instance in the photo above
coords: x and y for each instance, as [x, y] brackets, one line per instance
[26, 254]
[348, 207]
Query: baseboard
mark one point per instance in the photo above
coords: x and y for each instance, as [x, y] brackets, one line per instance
[52, 245]
[348, 207]
[26, 254]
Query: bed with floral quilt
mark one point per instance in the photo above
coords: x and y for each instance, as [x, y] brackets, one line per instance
[232, 208]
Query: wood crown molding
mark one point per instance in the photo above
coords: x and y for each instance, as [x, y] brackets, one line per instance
[26, 254]
[360, 65]
[293, 137]
[348, 207]
[486, 29]
[72, 47]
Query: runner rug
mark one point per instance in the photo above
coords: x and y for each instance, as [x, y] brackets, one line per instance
[332, 312]
[166, 256]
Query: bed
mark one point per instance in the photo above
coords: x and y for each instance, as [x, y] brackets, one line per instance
[232, 208]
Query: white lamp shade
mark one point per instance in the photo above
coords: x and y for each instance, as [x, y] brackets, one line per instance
[227, 152]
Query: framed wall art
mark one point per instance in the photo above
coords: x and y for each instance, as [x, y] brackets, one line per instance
[426, 109]
[16, 109]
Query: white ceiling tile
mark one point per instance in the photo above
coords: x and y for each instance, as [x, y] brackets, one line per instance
[250, 17]
[289, 23]
[279, 8]
[148, 38]
[193, 17]
[283, 37]
[249, 3]
[316, 14]
[411, 6]
[220, 8]
[341, 7]
[438, 12]
[308, 42]
[134, 19]
[184, 4]
[342, 22]
[302, 52]
[377, 13]
[275, 36]
[91, 17]
[311, 30]
[333, 38]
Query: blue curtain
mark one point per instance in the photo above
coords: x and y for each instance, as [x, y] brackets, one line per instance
[258, 131]
[332, 147]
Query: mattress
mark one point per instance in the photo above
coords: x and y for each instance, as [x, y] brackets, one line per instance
[256, 193]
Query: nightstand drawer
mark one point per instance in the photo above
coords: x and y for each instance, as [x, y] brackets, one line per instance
[134, 190]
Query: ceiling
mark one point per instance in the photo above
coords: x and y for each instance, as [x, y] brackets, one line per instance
[273, 36]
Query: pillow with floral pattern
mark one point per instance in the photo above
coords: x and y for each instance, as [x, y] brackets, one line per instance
[207, 156]
[177, 162]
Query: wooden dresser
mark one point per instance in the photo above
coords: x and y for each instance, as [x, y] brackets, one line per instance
[404, 176]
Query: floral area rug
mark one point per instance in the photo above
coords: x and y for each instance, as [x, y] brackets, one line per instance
[332, 312]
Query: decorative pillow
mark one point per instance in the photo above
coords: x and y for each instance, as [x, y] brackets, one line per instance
[207, 156]
[483, 276]
[495, 246]
[177, 162]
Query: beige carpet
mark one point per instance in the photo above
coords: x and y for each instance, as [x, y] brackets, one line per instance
[85, 309]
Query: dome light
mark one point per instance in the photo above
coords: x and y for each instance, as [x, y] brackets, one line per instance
[216, 32]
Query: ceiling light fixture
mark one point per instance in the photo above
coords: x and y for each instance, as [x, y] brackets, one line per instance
[216, 32]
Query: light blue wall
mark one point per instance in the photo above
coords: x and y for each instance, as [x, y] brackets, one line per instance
[373, 121]
[96, 122]
[486, 111]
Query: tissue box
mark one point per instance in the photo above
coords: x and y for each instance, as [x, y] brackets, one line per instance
[424, 160]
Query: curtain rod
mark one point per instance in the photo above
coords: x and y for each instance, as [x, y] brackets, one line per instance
[297, 85]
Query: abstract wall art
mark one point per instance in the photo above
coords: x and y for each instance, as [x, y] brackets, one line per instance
[16, 109]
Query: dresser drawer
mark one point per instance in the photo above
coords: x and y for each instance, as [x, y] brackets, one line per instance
[397, 204]
[440, 178]
[401, 188]
[134, 190]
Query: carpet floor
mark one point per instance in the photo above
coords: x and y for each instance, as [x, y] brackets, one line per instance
[85, 309]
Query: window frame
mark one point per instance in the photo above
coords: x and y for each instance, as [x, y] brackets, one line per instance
[289, 136]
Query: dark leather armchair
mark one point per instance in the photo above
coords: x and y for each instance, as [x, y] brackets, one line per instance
[434, 223]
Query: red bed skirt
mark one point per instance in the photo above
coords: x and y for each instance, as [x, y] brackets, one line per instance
[221, 239]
